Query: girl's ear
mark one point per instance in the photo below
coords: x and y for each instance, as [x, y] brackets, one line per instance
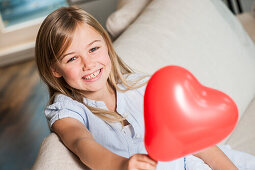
[55, 72]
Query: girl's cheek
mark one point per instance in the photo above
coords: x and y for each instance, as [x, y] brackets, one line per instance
[104, 57]
[72, 73]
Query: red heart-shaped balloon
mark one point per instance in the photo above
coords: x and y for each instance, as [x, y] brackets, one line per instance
[182, 116]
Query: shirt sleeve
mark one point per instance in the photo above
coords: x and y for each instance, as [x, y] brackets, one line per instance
[63, 107]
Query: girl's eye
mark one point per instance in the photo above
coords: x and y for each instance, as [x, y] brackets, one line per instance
[71, 59]
[93, 49]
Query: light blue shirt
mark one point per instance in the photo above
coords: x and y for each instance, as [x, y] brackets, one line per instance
[110, 135]
[130, 140]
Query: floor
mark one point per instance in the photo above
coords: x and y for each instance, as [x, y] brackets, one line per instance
[22, 122]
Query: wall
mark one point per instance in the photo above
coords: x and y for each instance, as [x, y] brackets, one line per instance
[246, 4]
[100, 9]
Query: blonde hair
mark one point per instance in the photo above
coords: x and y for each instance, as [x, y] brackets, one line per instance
[53, 39]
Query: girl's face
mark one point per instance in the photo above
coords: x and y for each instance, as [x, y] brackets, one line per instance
[86, 64]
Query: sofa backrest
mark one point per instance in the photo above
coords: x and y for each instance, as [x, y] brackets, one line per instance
[201, 36]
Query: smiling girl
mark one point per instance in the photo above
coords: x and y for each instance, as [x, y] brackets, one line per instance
[96, 100]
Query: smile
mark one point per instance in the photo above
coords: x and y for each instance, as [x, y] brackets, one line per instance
[93, 76]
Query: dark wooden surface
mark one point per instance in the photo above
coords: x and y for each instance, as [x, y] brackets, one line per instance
[23, 125]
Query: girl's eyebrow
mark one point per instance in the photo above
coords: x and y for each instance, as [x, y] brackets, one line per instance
[61, 58]
[93, 42]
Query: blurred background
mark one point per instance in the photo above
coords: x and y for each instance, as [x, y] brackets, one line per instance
[23, 95]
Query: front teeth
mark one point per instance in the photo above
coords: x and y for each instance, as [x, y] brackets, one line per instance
[91, 76]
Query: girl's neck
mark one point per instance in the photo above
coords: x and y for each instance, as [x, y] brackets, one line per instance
[107, 95]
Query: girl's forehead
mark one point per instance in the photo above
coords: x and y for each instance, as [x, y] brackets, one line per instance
[83, 36]
[85, 30]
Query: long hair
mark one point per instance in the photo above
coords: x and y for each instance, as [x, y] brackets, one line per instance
[53, 39]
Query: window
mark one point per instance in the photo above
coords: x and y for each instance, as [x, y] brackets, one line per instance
[16, 12]
[19, 24]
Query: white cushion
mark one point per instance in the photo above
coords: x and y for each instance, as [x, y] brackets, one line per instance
[243, 137]
[127, 11]
[53, 155]
[202, 36]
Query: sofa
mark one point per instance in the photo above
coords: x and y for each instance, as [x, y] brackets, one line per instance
[202, 36]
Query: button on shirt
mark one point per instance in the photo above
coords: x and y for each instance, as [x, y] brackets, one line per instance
[122, 141]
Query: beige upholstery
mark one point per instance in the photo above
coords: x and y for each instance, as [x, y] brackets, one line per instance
[53, 155]
[127, 11]
[243, 137]
[201, 36]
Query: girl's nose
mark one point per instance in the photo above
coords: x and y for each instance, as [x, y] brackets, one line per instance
[87, 63]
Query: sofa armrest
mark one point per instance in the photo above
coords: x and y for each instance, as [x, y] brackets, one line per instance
[243, 136]
[54, 155]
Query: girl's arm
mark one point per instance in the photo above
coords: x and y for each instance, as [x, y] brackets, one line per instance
[78, 139]
[216, 159]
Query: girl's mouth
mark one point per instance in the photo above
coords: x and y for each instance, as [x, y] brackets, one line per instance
[93, 76]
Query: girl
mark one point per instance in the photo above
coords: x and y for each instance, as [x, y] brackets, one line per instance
[96, 101]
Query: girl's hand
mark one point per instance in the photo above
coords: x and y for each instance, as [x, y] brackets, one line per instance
[141, 161]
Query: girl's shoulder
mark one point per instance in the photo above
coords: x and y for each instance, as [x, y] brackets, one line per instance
[138, 79]
[64, 106]
[64, 99]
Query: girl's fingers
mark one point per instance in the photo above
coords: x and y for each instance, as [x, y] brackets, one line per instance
[141, 162]
[146, 158]
[144, 165]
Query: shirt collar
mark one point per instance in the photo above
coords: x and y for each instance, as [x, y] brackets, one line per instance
[94, 103]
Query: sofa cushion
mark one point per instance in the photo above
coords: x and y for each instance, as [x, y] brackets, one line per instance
[243, 137]
[202, 36]
[127, 11]
[54, 155]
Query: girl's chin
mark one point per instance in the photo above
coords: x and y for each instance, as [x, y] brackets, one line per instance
[92, 89]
